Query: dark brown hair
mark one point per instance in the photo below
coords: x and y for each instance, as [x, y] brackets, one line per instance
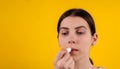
[80, 13]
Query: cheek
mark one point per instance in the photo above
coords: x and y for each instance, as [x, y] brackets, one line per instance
[61, 41]
[84, 42]
[84, 45]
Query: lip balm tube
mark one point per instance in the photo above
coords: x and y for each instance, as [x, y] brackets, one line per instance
[68, 50]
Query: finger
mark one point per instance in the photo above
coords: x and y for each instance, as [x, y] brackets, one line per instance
[65, 57]
[69, 64]
[61, 62]
[59, 56]
[72, 64]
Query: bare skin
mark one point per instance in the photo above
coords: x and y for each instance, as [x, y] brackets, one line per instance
[74, 33]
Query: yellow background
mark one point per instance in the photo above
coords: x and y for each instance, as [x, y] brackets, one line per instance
[28, 36]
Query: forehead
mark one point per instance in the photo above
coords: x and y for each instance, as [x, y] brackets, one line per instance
[73, 21]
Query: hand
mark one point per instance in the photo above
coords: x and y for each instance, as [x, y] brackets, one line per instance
[63, 60]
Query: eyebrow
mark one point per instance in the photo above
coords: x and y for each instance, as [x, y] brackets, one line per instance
[80, 27]
[64, 28]
[75, 27]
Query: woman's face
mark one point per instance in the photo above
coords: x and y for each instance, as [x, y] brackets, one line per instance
[75, 33]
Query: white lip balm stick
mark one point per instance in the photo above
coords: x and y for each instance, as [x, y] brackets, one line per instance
[68, 50]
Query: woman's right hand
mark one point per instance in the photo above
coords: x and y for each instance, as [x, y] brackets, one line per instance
[63, 60]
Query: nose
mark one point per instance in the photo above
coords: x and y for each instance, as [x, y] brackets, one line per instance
[72, 39]
[71, 42]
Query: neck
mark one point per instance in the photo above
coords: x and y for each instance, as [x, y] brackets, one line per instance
[83, 63]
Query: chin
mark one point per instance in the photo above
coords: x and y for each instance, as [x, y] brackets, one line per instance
[77, 57]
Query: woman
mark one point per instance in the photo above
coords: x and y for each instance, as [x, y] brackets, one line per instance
[76, 30]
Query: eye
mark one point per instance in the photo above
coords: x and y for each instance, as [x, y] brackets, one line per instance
[79, 32]
[65, 33]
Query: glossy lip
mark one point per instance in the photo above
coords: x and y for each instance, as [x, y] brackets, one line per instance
[73, 49]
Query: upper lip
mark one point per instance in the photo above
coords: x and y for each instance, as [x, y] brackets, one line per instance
[74, 49]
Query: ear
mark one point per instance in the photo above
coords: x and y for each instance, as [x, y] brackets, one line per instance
[95, 37]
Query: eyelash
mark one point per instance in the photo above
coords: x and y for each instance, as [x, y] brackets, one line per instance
[66, 33]
[78, 33]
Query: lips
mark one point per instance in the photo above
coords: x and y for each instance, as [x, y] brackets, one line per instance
[74, 49]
